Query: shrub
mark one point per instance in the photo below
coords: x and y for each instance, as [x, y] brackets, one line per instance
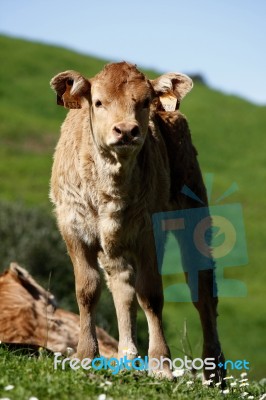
[31, 238]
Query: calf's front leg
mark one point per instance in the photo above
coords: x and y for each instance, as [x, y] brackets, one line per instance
[120, 276]
[88, 290]
[150, 297]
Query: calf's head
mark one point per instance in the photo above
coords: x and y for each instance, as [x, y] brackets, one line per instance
[118, 100]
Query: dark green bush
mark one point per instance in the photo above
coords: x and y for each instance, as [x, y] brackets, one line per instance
[31, 238]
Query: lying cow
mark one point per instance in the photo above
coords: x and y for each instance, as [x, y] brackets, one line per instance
[120, 159]
[29, 316]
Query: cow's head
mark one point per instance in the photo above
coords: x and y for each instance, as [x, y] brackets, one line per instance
[118, 100]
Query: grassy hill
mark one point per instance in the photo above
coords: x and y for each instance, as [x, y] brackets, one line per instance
[229, 134]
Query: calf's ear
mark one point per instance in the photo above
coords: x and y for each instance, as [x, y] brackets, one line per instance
[171, 88]
[70, 87]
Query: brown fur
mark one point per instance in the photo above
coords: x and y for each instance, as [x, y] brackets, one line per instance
[28, 315]
[119, 160]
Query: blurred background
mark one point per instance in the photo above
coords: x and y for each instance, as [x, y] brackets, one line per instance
[222, 46]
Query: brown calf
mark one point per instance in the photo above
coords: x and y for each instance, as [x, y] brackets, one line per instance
[119, 160]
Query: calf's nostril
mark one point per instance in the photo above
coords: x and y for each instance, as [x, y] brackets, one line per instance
[135, 131]
[117, 130]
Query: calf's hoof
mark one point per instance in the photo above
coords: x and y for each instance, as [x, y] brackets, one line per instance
[164, 373]
[218, 374]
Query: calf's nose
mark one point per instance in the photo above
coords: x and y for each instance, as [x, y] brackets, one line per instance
[126, 129]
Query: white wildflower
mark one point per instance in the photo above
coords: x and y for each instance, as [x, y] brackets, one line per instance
[263, 397]
[106, 383]
[33, 398]
[190, 383]
[250, 397]
[218, 384]
[243, 380]
[178, 372]
[226, 391]
[243, 374]
[207, 382]
[244, 384]
[228, 377]
[5, 398]
[212, 375]
[244, 394]
[9, 387]
[233, 384]
[102, 396]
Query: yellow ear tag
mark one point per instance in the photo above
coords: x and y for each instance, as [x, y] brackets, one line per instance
[69, 100]
[168, 102]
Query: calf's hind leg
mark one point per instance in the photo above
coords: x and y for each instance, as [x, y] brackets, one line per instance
[200, 276]
[204, 297]
[207, 307]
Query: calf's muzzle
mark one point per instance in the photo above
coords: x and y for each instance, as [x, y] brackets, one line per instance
[125, 132]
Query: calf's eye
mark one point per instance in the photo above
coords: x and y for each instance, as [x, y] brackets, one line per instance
[98, 103]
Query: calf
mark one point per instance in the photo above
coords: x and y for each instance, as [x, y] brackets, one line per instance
[120, 159]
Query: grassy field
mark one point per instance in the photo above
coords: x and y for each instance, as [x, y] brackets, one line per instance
[34, 376]
[229, 134]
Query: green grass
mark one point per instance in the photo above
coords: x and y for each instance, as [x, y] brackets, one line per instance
[229, 134]
[35, 376]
